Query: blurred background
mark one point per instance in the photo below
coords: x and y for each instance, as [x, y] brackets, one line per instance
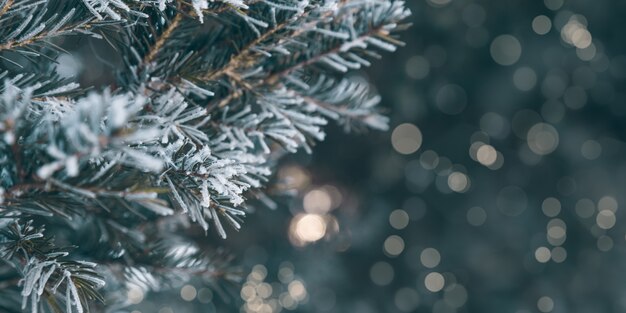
[498, 188]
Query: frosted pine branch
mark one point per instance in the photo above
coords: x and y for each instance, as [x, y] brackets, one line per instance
[46, 272]
[207, 95]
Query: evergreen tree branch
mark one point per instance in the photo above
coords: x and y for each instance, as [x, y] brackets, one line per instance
[45, 271]
[237, 60]
[199, 114]
[163, 38]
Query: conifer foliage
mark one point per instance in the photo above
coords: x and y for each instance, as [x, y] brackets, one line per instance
[101, 186]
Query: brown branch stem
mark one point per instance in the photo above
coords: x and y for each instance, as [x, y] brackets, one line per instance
[6, 7]
[158, 45]
[46, 35]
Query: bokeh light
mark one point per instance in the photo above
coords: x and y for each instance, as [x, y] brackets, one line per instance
[506, 50]
[307, 228]
[434, 282]
[406, 138]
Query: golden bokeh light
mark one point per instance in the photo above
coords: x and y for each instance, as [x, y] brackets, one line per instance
[307, 228]
[317, 201]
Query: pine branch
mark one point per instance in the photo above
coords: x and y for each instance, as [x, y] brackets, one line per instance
[241, 58]
[200, 112]
[246, 52]
[156, 48]
[276, 77]
[29, 29]
[45, 271]
[66, 30]
[275, 80]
